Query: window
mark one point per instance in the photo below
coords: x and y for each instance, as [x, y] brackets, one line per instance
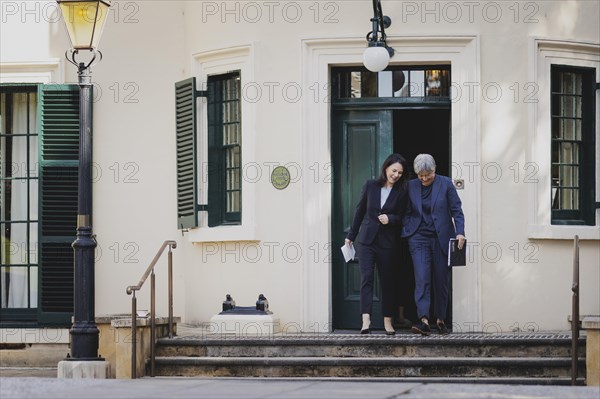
[403, 82]
[224, 150]
[39, 150]
[19, 199]
[224, 166]
[573, 158]
[562, 167]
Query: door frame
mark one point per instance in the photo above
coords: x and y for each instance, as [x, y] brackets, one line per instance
[318, 55]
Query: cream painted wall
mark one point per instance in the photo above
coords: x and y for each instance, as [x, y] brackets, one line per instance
[148, 46]
[134, 150]
[504, 30]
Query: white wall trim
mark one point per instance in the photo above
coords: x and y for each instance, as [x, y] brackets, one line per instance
[318, 54]
[41, 71]
[544, 52]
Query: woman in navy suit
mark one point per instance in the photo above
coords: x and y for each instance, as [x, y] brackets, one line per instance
[433, 216]
[375, 228]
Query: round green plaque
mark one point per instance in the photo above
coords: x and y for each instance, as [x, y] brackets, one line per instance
[280, 177]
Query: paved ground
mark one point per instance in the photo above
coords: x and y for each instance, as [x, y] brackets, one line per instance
[250, 388]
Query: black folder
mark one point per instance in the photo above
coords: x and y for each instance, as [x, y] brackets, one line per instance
[457, 257]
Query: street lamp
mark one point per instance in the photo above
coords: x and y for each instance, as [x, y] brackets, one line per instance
[377, 55]
[85, 22]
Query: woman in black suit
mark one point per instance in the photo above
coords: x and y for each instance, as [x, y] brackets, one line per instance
[376, 228]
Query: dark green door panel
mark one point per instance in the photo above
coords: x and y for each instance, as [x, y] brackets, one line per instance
[361, 140]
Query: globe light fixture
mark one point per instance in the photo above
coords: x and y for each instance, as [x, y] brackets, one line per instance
[377, 55]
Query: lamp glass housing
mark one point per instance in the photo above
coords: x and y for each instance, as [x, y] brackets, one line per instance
[84, 21]
[376, 58]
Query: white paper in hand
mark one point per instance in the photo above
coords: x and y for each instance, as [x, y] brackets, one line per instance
[348, 251]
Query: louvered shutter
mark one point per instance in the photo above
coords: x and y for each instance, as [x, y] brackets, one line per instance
[58, 110]
[185, 116]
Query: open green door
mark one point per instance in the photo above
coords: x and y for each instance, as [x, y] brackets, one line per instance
[361, 140]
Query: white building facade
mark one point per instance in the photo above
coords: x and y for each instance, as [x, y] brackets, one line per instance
[516, 123]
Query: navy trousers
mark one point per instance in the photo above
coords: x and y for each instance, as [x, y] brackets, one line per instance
[386, 260]
[431, 269]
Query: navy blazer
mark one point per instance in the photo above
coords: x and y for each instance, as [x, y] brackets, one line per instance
[445, 207]
[366, 225]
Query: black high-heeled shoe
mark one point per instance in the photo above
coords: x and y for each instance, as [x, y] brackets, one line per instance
[366, 331]
[393, 332]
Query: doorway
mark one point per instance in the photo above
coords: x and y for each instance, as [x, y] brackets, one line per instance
[418, 131]
[365, 129]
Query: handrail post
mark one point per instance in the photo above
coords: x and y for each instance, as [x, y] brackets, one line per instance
[152, 321]
[170, 282]
[575, 314]
[133, 336]
[132, 289]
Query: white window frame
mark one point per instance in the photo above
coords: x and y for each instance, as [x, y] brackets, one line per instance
[214, 63]
[545, 53]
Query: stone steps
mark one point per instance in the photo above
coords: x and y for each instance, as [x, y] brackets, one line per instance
[533, 358]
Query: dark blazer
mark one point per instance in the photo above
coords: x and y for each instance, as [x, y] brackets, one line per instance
[445, 206]
[366, 226]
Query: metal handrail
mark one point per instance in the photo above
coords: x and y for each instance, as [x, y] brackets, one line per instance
[575, 314]
[131, 291]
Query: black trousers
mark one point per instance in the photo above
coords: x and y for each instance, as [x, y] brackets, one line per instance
[386, 261]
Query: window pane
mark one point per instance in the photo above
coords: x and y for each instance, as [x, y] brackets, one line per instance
[33, 287]
[18, 196]
[368, 84]
[434, 84]
[24, 113]
[33, 199]
[384, 84]
[577, 130]
[355, 85]
[417, 83]
[400, 84]
[569, 129]
[33, 244]
[4, 242]
[566, 179]
[32, 172]
[566, 154]
[566, 199]
[17, 167]
[18, 243]
[15, 285]
[233, 201]
[556, 126]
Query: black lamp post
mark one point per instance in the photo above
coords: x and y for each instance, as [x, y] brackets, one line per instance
[84, 21]
[377, 55]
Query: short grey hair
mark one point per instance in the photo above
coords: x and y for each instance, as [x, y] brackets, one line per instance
[424, 163]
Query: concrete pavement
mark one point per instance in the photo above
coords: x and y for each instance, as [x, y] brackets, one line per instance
[276, 388]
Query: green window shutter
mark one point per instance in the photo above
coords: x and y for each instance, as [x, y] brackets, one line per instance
[186, 122]
[58, 114]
